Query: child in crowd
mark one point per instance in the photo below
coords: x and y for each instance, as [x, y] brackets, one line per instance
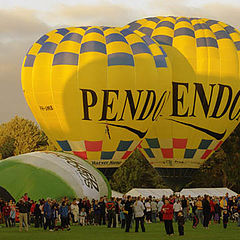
[91, 216]
[13, 214]
[217, 213]
[225, 218]
[82, 216]
[180, 221]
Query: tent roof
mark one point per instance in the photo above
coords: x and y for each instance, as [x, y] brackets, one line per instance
[117, 194]
[146, 192]
[218, 192]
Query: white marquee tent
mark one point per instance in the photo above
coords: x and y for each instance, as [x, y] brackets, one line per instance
[117, 194]
[146, 192]
[218, 192]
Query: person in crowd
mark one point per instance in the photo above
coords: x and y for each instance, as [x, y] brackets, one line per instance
[217, 212]
[138, 209]
[48, 215]
[23, 211]
[159, 206]
[199, 210]
[206, 211]
[225, 218]
[122, 215]
[180, 222]
[13, 213]
[111, 212]
[128, 210]
[195, 216]
[117, 210]
[177, 207]
[223, 204]
[6, 213]
[102, 207]
[167, 211]
[37, 214]
[25, 197]
[74, 211]
[238, 210]
[82, 217]
[148, 210]
[90, 216]
[96, 209]
[63, 212]
[184, 204]
[54, 207]
[154, 210]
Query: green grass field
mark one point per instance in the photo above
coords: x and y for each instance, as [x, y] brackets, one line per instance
[153, 231]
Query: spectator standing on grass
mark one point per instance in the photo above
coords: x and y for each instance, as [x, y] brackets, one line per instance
[206, 211]
[102, 207]
[199, 210]
[180, 222]
[13, 213]
[167, 211]
[48, 215]
[238, 209]
[195, 217]
[148, 210]
[225, 218]
[217, 212]
[154, 210]
[139, 208]
[6, 213]
[83, 216]
[23, 210]
[184, 204]
[159, 206]
[177, 207]
[63, 211]
[128, 210]
[74, 211]
[111, 213]
[122, 215]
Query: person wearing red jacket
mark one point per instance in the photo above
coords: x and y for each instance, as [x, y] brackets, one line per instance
[167, 211]
[6, 214]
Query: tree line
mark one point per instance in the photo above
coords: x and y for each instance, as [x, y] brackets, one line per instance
[222, 169]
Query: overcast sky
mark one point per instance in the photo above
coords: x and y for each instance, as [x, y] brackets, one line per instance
[22, 22]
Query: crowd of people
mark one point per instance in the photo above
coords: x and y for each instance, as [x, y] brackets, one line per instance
[52, 215]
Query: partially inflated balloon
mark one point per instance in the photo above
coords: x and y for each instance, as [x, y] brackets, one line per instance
[96, 90]
[204, 106]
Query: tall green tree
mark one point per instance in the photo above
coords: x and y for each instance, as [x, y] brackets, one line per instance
[136, 172]
[20, 136]
[6, 147]
[223, 168]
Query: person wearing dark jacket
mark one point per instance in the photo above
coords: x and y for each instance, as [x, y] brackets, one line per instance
[23, 211]
[6, 213]
[102, 207]
[37, 215]
[111, 212]
[206, 211]
[225, 218]
[48, 215]
[180, 221]
[128, 211]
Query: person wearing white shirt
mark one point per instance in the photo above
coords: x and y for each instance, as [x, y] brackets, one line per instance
[177, 207]
[138, 209]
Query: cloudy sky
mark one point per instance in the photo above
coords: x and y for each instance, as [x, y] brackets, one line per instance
[22, 22]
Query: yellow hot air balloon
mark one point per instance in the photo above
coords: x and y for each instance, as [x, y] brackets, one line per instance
[204, 106]
[95, 91]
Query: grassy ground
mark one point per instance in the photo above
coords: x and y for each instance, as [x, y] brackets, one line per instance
[153, 231]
